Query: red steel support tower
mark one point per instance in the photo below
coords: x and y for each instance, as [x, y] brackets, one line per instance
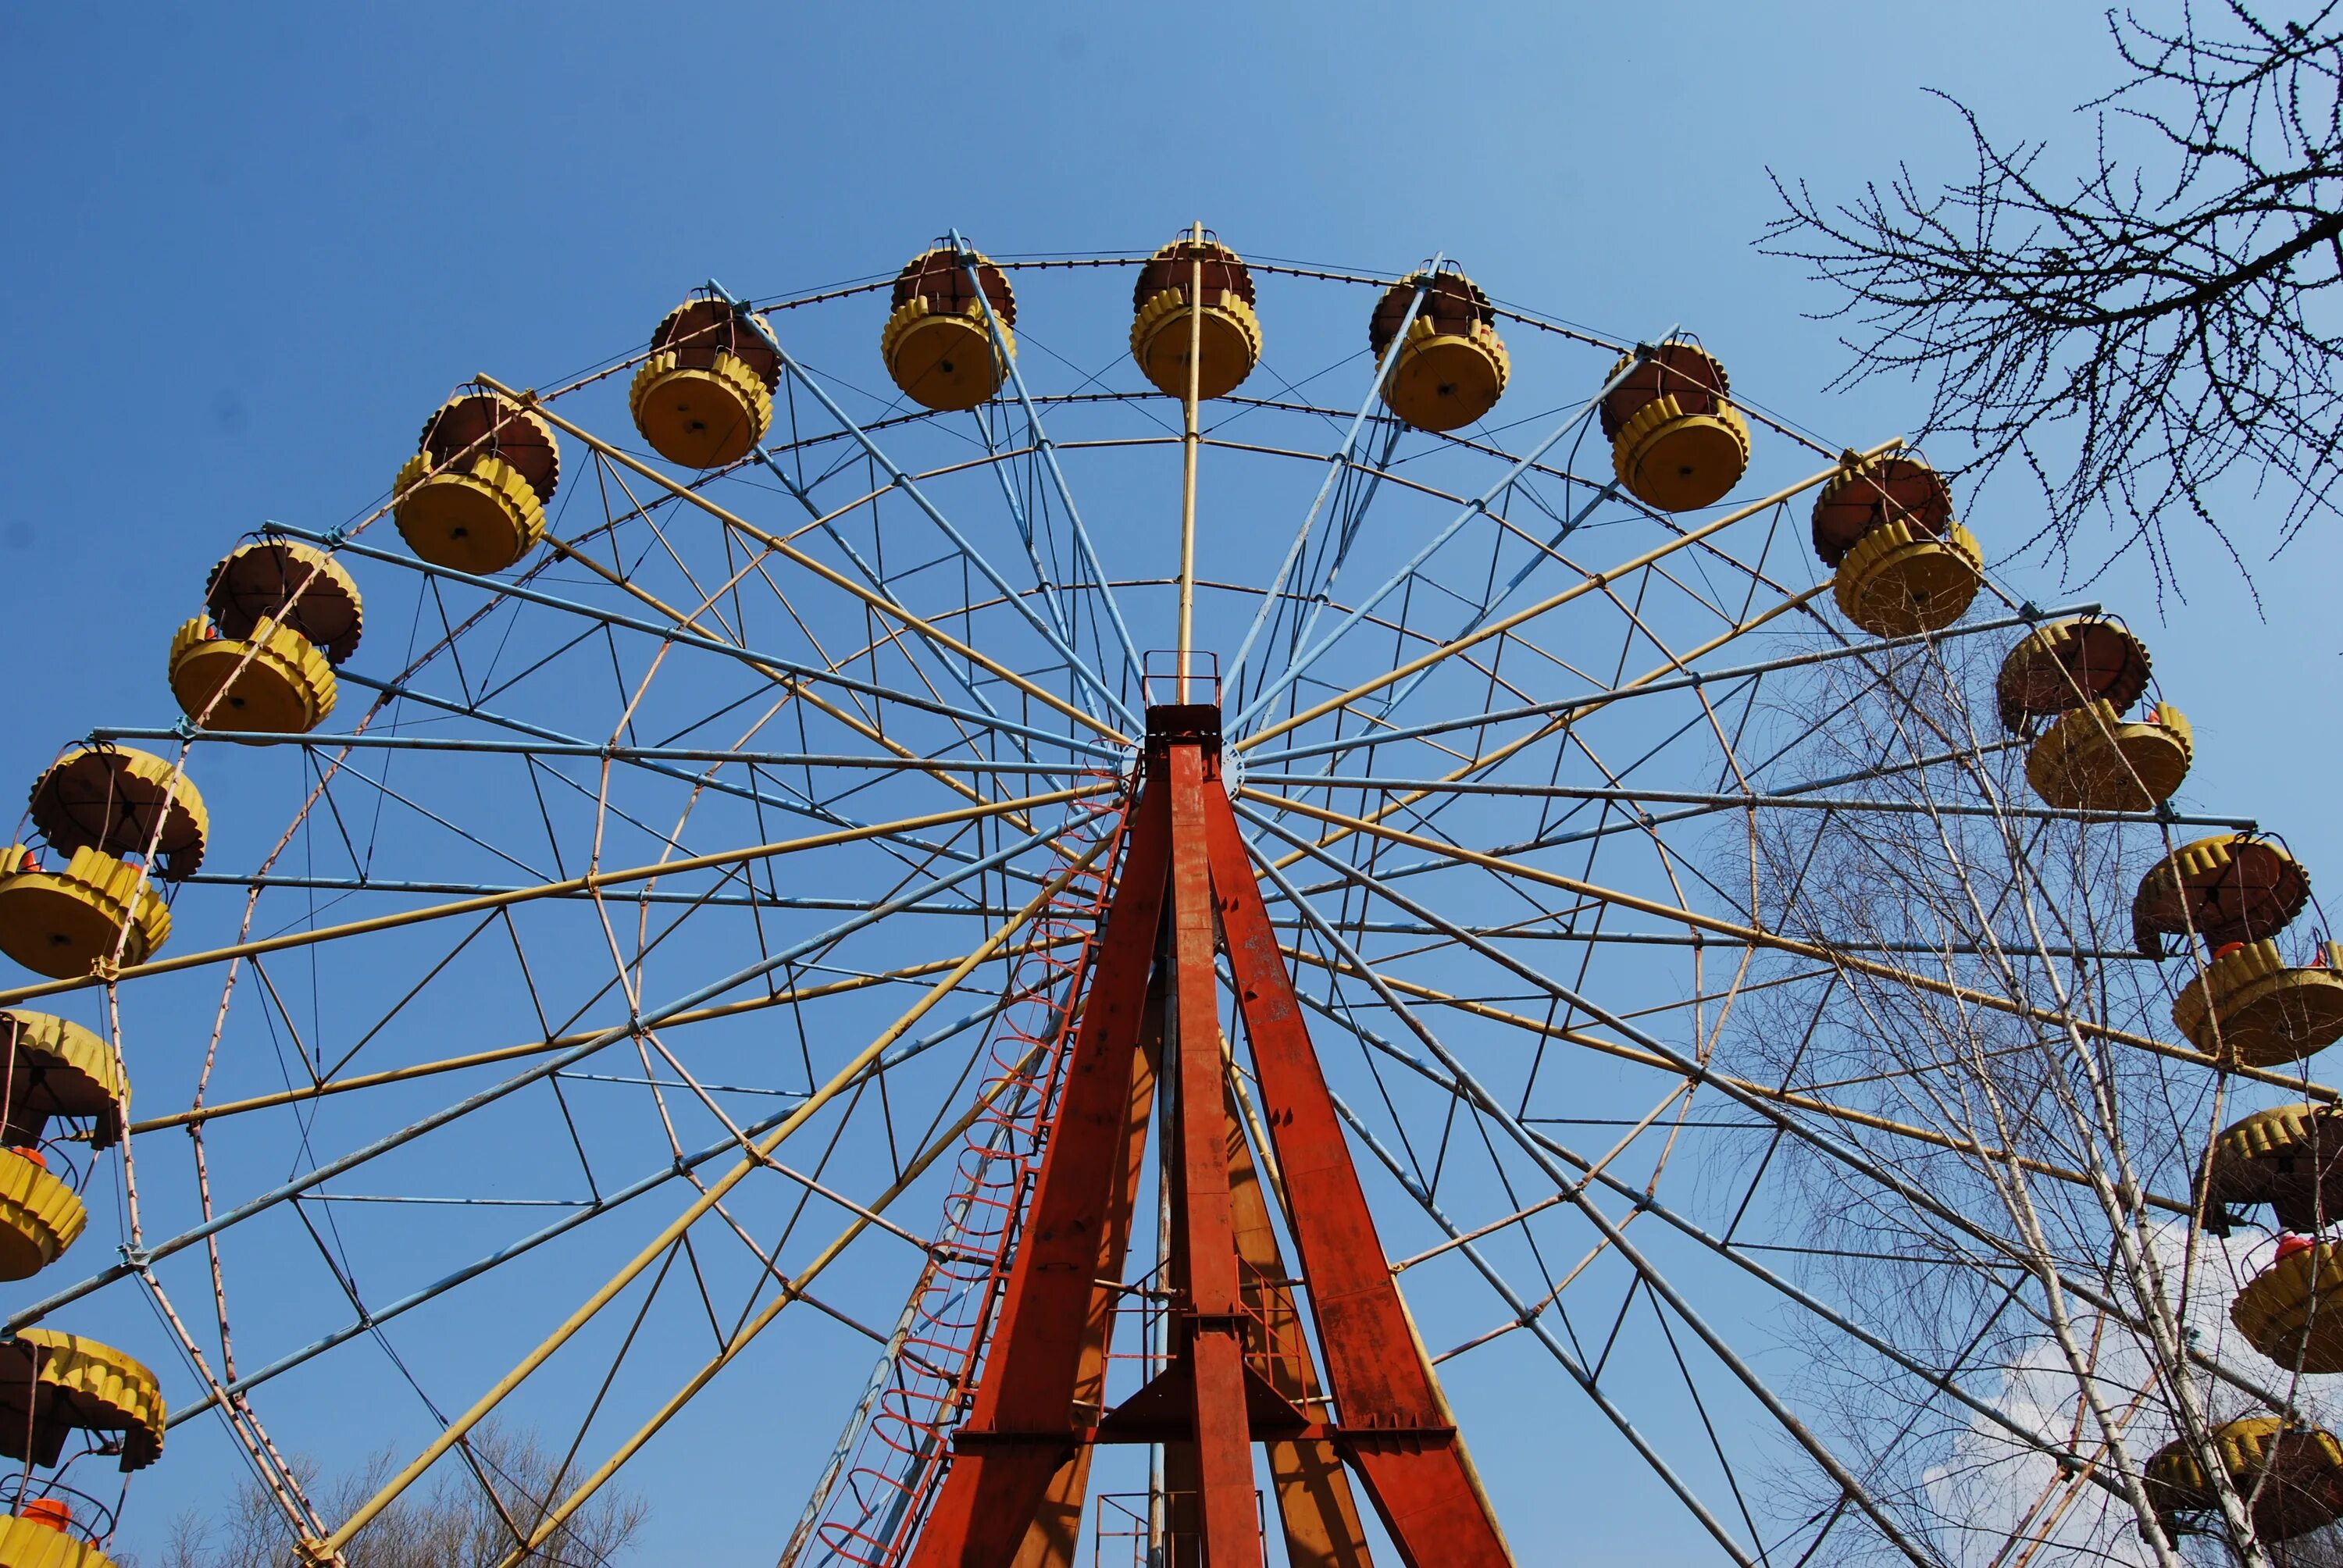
[1238, 1372]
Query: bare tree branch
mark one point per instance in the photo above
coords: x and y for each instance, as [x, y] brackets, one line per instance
[2135, 336]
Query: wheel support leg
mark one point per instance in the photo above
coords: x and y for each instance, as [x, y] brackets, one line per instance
[1239, 1370]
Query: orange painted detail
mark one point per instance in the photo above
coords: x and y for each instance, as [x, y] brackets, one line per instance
[53, 1511]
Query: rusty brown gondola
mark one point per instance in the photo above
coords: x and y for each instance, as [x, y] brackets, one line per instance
[278, 615]
[1893, 488]
[2293, 1475]
[1169, 308]
[473, 497]
[937, 343]
[2230, 887]
[1902, 563]
[704, 398]
[1676, 441]
[2063, 664]
[1453, 366]
[292, 585]
[124, 802]
[2289, 1157]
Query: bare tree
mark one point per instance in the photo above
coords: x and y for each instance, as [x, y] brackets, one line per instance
[2134, 334]
[2038, 1248]
[469, 1520]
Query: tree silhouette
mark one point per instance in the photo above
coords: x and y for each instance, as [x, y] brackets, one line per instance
[468, 1520]
[2136, 335]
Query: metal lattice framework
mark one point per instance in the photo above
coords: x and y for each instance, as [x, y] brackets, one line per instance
[659, 974]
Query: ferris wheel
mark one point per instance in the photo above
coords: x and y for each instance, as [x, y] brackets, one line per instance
[1194, 955]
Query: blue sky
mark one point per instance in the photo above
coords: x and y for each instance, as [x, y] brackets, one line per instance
[248, 247]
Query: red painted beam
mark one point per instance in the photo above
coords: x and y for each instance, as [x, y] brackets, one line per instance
[1212, 1316]
[1033, 1371]
[1422, 1488]
[1185, 883]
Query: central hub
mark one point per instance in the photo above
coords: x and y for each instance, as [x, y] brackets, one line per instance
[1189, 723]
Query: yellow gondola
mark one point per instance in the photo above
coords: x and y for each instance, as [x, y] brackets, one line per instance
[704, 399]
[42, 1534]
[2289, 1157]
[938, 346]
[1676, 441]
[472, 499]
[2292, 1311]
[1219, 319]
[40, 1216]
[274, 683]
[54, 1384]
[1904, 564]
[2232, 888]
[1452, 368]
[1900, 581]
[2295, 1477]
[2092, 759]
[64, 923]
[294, 586]
[2250, 1005]
[58, 1068]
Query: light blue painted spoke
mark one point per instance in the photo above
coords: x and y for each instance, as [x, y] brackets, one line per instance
[975, 558]
[1603, 696]
[1480, 504]
[1337, 462]
[683, 637]
[1132, 667]
[1017, 515]
[317, 1175]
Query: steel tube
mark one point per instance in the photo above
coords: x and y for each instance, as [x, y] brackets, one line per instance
[26, 1316]
[1299, 664]
[766, 663]
[1845, 1153]
[1668, 683]
[1049, 450]
[1337, 462]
